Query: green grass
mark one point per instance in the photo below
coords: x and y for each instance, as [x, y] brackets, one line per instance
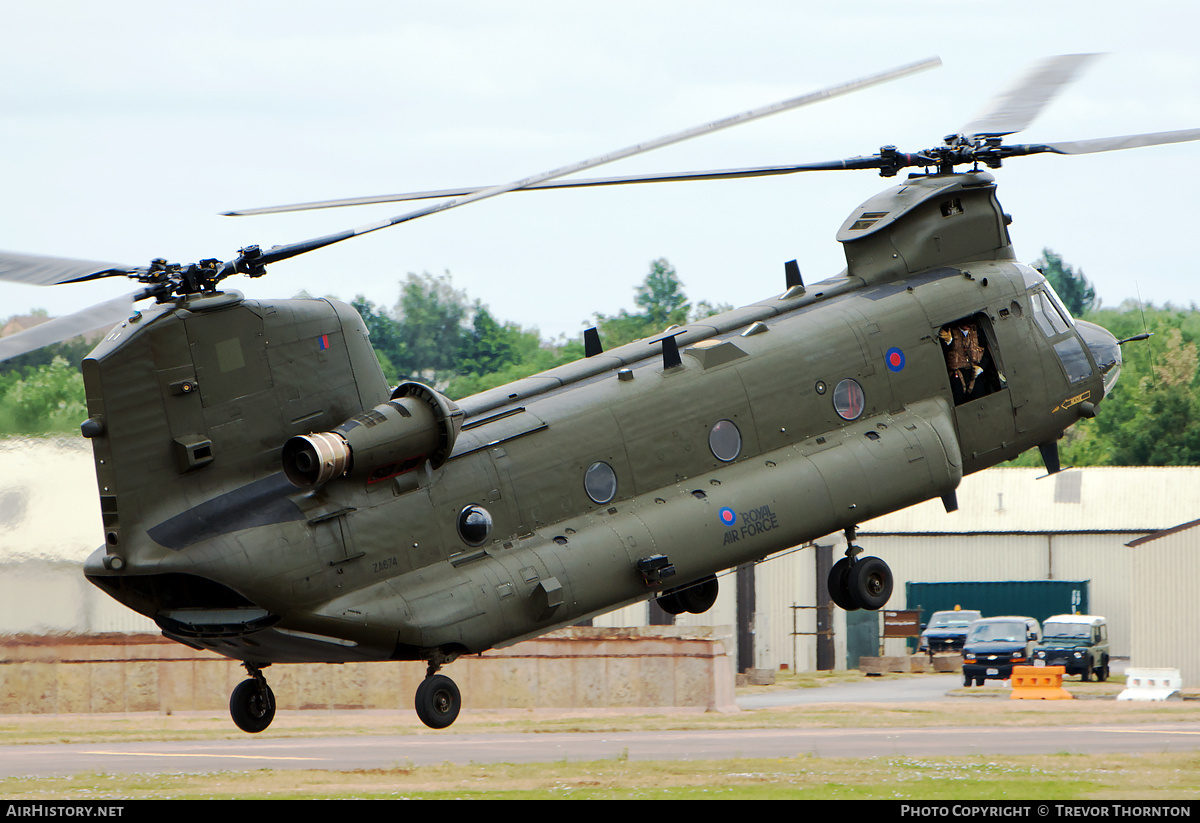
[1043, 777]
[1055, 777]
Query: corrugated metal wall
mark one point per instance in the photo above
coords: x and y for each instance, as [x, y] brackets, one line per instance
[1166, 630]
[790, 580]
[785, 581]
[49, 515]
[39, 597]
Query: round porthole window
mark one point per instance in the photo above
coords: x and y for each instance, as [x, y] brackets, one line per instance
[725, 441]
[600, 482]
[848, 400]
[474, 525]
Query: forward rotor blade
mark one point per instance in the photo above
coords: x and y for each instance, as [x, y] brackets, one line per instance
[40, 270]
[284, 252]
[100, 316]
[1130, 141]
[664, 177]
[1016, 108]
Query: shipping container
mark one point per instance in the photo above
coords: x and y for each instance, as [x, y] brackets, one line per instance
[1038, 599]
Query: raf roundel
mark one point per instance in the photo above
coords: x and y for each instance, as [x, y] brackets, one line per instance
[727, 515]
[894, 359]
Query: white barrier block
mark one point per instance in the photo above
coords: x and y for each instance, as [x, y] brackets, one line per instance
[1152, 684]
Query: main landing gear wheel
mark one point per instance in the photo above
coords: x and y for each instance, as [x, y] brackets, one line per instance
[700, 596]
[252, 704]
[859, 582]
[671, 603]
[839, 589]
[697, 598]
[870, 583]
[438, 701]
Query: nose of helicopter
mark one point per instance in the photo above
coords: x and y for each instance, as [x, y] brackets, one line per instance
[1105, 349]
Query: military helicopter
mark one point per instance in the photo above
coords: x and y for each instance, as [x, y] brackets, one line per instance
[265, 494]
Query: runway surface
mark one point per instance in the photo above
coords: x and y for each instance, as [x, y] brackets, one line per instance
[388, 751]
[381, 752]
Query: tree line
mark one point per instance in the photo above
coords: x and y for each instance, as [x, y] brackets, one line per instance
[437, 334]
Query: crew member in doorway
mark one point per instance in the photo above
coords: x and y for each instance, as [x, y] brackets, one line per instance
[964, 358]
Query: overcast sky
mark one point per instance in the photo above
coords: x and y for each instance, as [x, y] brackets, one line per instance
[127, 127]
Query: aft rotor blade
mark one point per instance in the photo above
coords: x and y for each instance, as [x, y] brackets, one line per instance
[284, 252]
[1016, 108]
[664, 177]
[100, 316]
[40, 270]
[1130, 141]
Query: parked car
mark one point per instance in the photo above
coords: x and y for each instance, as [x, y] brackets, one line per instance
[1079, 642]
[946, 631]
[995, 644]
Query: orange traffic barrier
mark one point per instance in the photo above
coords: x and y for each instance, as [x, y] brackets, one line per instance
[1038, 683]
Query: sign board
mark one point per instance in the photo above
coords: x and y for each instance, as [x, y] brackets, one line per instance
[902, 623]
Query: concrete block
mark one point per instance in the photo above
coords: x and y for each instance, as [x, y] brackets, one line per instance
[1143, 683]
[569, 668]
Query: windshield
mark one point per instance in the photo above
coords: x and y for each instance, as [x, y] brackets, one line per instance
[949, 623]
[1072, 631]
[997, 633]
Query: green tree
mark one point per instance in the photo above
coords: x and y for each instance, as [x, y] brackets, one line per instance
[489, 346]
[384, 334]
[46, 399]
[1152, 415]
[1076, 292]
[663, 304]
[541, 358]
[661, 295]
[1157, 421]
[430, 317]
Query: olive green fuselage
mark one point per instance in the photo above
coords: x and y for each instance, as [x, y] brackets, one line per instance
[205, 534]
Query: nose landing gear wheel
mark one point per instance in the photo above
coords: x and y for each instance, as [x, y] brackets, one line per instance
[438, 701]
[252, 705]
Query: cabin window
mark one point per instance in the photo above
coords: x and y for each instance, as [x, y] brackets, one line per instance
[600, 482]
[474, 525]
[848, 399]
[725, 441]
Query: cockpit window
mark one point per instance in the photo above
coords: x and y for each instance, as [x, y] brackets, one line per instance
[1070, 351]
[1058, 303]
[1047, 315]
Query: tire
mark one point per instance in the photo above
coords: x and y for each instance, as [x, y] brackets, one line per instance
[839, 590]
[438, 701]
[700, 597]
[1102, 672]
[251, 708]
[979, 681]
[870, 583]
[671, 603]
[966, 681]
[1087, 672]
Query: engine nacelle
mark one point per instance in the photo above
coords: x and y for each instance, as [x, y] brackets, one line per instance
[416, 425]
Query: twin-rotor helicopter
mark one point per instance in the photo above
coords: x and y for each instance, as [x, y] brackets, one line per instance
[265, 494]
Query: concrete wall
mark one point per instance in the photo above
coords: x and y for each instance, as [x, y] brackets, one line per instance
[571, 668]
